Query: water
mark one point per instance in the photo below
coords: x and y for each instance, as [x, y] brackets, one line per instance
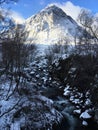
[70, 121]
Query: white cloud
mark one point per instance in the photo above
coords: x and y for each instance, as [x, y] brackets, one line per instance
[15, 3]
[96, 15]
[25, 5]
[42, 2]
[17, 17]
[70, 9]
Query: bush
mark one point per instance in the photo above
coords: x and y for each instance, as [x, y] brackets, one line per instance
[77, 71]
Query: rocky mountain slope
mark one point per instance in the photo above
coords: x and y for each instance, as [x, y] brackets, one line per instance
[51, 25]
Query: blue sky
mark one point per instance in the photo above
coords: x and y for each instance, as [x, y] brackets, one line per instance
[26, 8]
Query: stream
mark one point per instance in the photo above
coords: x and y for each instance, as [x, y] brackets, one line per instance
[64, 106]
[71, 122]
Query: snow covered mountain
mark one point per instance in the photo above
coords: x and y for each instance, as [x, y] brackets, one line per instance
[51, 25]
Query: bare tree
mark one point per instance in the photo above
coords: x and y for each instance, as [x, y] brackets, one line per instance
[14, 51]
[87, 41]
[89, 22]
[7, 1]
[6, 24]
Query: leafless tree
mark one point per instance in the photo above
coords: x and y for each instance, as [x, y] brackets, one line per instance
[7, 1]
[14, 51]
[87, 41]
[6, 24]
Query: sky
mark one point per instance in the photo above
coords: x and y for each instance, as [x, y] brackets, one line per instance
[23, 9]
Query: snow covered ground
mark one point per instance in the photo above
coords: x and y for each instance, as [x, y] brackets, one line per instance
[29, 108]
[33, 110]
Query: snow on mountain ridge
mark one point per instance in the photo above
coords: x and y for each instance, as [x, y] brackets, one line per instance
[51, 25]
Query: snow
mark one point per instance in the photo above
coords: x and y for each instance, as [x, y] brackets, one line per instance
[78, 111]
[78, 106]
[32, 72]
[66, 88]
[64, 56]
[80, 95]
[76, 101]
[88, 102]
[45, 105]
[84, 123]
[46, 115]
[43, 29]
[66, 93]
[71, 98]
[45, 99]
[15, 126]
[6, 105]
[87, 94]
[45, 79]
[37, 76]
[83, 107]
[85, 115]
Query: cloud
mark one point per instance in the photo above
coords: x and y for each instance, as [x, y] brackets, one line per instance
[15, 3]
[25, 5]
[70, 9]
[42, 2]
[96, 15]
[17, 17]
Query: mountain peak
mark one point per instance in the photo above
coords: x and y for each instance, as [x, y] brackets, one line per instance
[52, 8]
[51, 25]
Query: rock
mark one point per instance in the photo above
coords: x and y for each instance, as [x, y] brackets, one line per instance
[91, 112]
[77, 112]
[76, 101]
[84, 123]
[32, 73]
[67, 93]
[88, 102]
[85, 115]
[76, 96]
[77, 106]
[71, 98]
[87, 94]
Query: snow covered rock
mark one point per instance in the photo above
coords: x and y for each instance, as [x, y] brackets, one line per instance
[32, 73]
[85, 115]
[76, 101]
[78, 106]
[88, 102]
[77, 112]
[84, 123]
[87, 94]
[67, 93]
[71, 98]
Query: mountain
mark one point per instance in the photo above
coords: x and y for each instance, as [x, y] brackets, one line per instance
[51, 25]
